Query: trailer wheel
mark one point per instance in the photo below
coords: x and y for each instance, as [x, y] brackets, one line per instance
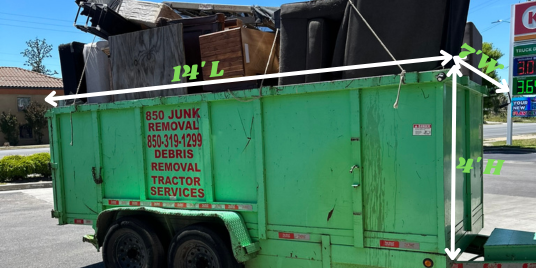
[199, 247]
[130, 243]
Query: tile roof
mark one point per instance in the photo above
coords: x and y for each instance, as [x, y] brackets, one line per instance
[21, 78]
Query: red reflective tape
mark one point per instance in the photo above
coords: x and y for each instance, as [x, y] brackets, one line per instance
[457, 265]
[156, 204]
[205, 206]
[294, 236]
[389, 244]
[286, 235]
[113, 202]
[231, 206]
[82, 221]
[134, 203]
[529, 265]
[410, 245]
[492, 265]
[180, 205]
[246, 207]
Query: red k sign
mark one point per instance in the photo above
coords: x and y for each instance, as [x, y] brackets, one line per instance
[525, 18]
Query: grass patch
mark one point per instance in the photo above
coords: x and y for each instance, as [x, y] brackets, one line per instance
[527, 144]
[502, 119]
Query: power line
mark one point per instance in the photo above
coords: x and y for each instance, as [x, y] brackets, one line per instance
[495, 25]
[482, 6]
[40, 23]
[26, 16]
[40, 28]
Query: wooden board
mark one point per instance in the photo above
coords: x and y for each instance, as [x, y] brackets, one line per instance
[146, 58]
[256, 46]
[239, 49]
[225, 47]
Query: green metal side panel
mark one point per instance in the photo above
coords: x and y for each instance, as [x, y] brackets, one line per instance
[119, 154]
[78, 158]
[469, 199]
[308, 158]
[233, 151]
[399, 168]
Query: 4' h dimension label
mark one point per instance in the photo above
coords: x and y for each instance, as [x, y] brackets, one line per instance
[491, 164]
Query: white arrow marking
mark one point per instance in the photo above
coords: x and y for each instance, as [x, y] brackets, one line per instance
[453, 252]
[445, 59]
[502, 88]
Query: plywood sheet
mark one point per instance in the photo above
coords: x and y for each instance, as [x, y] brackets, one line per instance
[146, 58]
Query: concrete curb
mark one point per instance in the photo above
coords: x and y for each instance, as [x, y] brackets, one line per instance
[24, 186]
[24, 147]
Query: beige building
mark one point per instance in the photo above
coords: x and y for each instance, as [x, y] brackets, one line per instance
[17, 88]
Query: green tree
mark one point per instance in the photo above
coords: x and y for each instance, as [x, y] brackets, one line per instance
[9, 125]
[35, 116]
[36, 52]
[492, 103]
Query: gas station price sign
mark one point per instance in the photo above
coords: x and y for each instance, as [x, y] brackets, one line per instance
[525, 66]
[524, 85]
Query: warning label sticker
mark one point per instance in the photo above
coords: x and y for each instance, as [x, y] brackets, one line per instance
[422, 129]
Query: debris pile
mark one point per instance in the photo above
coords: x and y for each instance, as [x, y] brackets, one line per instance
[150, 44]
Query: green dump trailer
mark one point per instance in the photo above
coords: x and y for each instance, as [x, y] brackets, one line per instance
[312, 175]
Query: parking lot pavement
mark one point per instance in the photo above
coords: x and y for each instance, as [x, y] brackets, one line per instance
[29, 237]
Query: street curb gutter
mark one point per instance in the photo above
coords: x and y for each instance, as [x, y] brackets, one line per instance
[24, 186]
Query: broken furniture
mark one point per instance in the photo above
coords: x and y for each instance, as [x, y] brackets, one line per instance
[308, 34]
[409, 29]
[192, 28]
[72, 68]
[98, 71]
[414, 29]
[105, 22]
[240, 52]
[146, 13]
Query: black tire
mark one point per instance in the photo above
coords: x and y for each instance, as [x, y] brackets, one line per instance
[130, 243]
[199, 247]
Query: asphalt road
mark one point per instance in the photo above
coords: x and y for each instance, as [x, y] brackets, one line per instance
[23, 151]
[499, 130]
[29, 237]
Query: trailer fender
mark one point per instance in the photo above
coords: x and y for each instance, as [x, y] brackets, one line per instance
[242, 246]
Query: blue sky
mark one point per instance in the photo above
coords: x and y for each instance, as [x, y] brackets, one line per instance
[26, 19]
